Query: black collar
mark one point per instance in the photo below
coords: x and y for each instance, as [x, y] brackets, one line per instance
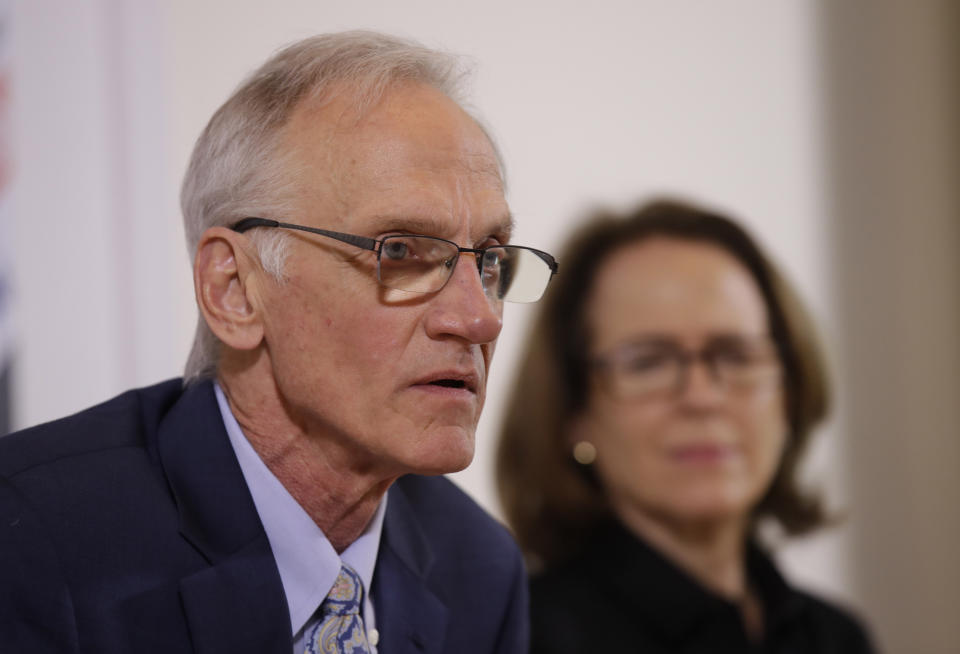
[668, 599]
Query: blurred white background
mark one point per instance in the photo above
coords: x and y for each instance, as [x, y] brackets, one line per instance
[829, 128]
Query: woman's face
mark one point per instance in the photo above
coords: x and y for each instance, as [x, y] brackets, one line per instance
[682, 443]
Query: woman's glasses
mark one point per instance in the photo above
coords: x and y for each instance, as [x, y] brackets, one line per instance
[660, 366]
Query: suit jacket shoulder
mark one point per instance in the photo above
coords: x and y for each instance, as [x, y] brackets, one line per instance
[449, 577]
[120, 422]
[454, 519]
[128, 527]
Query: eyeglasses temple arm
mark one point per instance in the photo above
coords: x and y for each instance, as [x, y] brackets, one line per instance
[352, 239]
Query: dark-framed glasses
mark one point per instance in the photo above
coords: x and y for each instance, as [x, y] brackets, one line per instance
[424, 264]
[645, 368]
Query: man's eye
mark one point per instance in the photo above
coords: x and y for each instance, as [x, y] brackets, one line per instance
[394, 249]
[492, 258]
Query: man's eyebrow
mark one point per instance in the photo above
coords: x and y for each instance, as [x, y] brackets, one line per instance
[436, 227]
[506, 227]
[406, 223]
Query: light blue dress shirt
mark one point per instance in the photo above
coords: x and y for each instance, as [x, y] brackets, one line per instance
[307, 562]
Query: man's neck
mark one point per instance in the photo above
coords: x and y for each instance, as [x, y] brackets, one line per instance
[339, 492]
[340, 502]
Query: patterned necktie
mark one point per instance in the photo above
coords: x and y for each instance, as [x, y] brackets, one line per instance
[341, 630]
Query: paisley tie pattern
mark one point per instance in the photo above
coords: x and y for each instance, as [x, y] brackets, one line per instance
[341, 630]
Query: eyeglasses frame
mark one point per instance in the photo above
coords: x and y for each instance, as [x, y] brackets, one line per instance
[376, 245]
[686, 359]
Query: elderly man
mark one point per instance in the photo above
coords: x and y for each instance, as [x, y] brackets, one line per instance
[349, 232]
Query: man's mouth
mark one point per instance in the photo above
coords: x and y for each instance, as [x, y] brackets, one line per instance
[456, 380]
[449, 383]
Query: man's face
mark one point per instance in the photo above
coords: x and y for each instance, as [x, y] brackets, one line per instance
[395, 381]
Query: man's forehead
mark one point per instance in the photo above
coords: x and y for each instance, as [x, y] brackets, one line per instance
[416, 156]
[405, 116]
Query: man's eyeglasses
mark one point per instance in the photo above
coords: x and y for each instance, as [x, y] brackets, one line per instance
[424, 264]
[646, 368]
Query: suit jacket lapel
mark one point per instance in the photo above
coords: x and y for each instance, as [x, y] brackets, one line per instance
[236, 605]
[411, 618]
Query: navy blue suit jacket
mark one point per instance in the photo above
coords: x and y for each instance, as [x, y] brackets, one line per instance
[128, 528]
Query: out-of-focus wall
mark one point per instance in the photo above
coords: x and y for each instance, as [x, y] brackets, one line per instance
[893, 126]
[101, 276]
[598, 103]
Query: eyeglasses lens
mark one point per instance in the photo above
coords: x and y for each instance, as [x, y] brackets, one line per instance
[415, 263]
[733, 363]
[423, 264]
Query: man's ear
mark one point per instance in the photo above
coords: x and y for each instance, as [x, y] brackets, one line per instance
[222, 275]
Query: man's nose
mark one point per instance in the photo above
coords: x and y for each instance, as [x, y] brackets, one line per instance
[462, 307]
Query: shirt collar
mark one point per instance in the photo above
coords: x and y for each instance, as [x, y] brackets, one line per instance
[675, 603]
[307, 562]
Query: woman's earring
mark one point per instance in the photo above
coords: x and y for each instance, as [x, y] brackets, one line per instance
[584, 452]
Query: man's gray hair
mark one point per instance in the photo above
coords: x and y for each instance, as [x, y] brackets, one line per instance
[238, 168]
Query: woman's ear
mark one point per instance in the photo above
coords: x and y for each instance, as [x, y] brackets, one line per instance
[223, 272]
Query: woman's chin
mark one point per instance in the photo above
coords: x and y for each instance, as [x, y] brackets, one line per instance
[709, 506]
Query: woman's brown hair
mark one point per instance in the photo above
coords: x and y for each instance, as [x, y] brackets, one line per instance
[552, 503]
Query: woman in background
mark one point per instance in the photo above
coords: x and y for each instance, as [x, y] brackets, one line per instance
[668, 392]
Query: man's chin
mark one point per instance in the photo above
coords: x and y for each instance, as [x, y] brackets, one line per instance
[447, 453]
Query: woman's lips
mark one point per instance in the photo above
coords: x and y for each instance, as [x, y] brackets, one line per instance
[703, 453]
